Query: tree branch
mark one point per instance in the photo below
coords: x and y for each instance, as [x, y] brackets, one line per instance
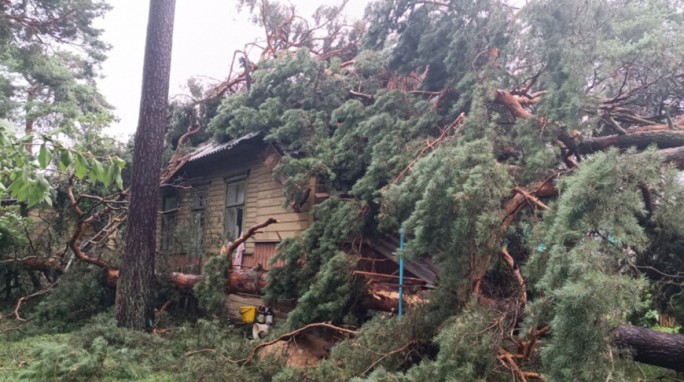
[249, 233]
[291, 334]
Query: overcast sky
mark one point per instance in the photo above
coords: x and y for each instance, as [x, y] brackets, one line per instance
[206, 33]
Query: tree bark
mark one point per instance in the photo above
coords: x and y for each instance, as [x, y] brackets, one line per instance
[652, 347]
[135, 291]
[641, 138]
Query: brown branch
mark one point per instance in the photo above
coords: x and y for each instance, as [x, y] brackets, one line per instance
[510, 361]
[531, 198]
[249, 233]
[22, 300]
[382, 275]
[82, 226]
[291, 334]
[361, 95]
[508, 259]
[512, 103]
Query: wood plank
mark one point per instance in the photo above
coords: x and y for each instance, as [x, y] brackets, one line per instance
[271, 193]
[275, 210]
[270, 202]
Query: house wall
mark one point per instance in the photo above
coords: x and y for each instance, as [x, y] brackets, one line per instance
[264, 198]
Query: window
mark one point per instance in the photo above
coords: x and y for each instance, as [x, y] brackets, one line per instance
[168, 222]
[200, 195]
[236, 187]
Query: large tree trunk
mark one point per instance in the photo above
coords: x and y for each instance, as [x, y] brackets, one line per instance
[652, 347]
[641, 138]
[135, 292]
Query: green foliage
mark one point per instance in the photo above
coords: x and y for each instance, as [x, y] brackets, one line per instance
[24, 179]
[210, 291]
[50, 52]
[80, 294]
[584, 286]
[443, 197]
[10, 235]
[333, 290]
[381, 141]
[332, 296]
[58, 363]
[467, 349]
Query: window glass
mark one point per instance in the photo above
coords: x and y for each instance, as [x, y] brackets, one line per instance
[235, 208]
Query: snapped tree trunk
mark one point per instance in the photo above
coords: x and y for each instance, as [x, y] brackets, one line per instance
[135, 290]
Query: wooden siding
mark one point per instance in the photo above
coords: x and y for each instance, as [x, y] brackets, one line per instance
[263, 251]
[264, 198]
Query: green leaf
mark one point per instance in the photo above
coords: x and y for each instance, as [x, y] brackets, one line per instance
[119, 162]
[110, 174]
[22, 193]
[64, 160]
[81, 166]
[26, 139]
[44, 156]
[39, 190]
[118, 181]
[97, 172]
[116, 176]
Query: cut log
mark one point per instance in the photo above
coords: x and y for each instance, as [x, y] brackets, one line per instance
[652, 347]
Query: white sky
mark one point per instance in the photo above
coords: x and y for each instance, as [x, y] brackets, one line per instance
[206, 33]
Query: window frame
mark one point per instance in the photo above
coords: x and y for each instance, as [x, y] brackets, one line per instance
[238, 206]
[169, 222]
[198, 209]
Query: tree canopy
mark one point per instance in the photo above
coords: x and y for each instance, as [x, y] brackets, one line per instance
[529, 152]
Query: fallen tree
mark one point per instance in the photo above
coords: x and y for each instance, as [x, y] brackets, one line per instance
[652, 347]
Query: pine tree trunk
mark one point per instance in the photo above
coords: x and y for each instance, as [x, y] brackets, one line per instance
[135, 291]
[652, 347]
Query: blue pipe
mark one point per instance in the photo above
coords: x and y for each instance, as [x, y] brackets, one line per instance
[401, 273]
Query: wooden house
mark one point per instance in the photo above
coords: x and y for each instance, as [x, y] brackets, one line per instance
[226, 188]
[222, 190]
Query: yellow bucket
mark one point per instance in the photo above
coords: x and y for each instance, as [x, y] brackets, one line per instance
[248, 313]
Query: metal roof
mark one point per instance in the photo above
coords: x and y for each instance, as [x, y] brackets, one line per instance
[215, 148]
[424, 269]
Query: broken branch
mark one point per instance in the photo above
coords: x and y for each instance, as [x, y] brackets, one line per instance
[249, 233]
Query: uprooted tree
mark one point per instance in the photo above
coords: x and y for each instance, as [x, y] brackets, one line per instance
[531, 154]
